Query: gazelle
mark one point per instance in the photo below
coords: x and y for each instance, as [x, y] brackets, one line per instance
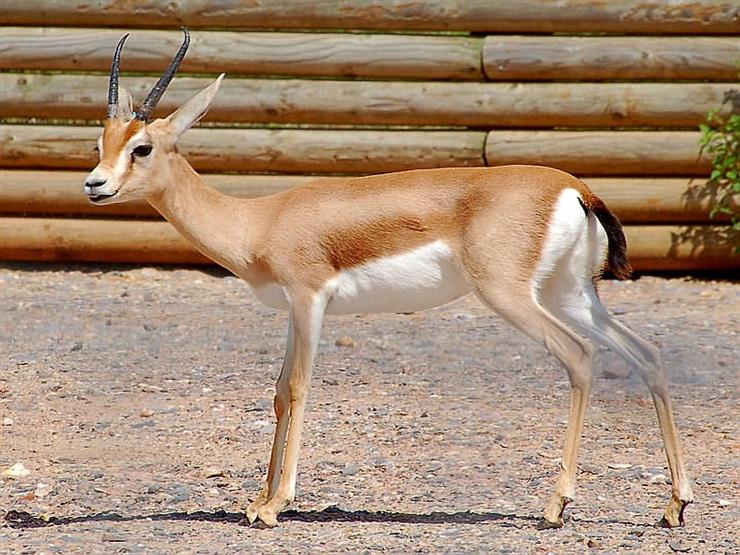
[529, 241]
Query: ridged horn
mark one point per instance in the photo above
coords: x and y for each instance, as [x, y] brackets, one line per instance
[147, 107]
[113, 83]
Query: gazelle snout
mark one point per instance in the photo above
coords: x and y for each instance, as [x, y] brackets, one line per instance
[94, 183]
[98, 187]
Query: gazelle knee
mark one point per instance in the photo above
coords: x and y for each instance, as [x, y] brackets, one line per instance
[650, 369]
[578, 361]
[280, 404]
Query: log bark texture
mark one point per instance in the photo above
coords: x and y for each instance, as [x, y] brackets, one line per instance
[244, 53]
[601, 152]
[683, 248]
[353, 151]
[258, 150]
[517, 58]
[141, 242]
[381, 103]
[520, 16]
[152, 242]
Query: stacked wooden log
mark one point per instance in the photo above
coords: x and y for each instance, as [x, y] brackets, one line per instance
[619, 110]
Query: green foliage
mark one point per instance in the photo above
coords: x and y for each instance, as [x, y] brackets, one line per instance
[720, 138]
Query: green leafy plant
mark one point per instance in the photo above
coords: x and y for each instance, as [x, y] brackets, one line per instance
[720, 138]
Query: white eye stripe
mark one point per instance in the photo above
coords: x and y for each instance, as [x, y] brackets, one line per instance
[141, 138]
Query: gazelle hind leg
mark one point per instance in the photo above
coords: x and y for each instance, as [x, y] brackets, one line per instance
[599, 325]
[576, 356]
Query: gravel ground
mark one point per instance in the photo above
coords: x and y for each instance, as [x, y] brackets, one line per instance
[139, 402]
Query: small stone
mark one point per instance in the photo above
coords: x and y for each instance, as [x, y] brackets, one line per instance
[385, 464]
[678, 546]
[42, 490]
[434, 466]
[261, 405]
[146, 413]
[637, 509]
[350, 469]
[345, 341]
[180, 494]
[16, 471]
[619, 466]
[251, 484]
[7, 421]
[77, 346]
[213, 472]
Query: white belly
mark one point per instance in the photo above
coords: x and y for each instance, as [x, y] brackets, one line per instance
[415, 280]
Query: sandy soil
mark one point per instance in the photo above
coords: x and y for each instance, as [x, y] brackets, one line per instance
[139, 402]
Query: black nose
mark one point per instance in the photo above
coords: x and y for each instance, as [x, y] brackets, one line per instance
[93, 184]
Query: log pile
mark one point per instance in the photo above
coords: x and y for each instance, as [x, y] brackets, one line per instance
[612, 92]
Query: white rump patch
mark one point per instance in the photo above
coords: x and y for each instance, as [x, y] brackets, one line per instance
[574, 249]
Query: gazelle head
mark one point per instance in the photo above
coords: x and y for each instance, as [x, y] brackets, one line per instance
[135, 152]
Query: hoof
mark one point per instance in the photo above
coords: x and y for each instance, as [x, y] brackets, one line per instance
[544, 524]
[266, 518]
[553, 517]
[673, 517]
[254, 507]
[251, 514]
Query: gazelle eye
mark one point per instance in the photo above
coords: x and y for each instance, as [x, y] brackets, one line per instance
[142, 150]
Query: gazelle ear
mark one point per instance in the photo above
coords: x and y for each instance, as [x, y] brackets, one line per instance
[125, 105]
[190, 113]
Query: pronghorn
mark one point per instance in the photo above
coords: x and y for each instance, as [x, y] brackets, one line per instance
[529, 241]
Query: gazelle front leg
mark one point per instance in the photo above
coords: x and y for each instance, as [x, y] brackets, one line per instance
[306, 315]
[281, 406]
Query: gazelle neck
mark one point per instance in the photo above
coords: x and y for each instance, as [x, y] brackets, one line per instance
[221, 227]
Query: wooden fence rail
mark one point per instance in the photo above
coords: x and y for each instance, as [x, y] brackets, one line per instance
[501, 16]
[372, 151]
[298, 54]
[500, 57]
[601, 152]
[539, 105]
[259, 150]
[533, 58]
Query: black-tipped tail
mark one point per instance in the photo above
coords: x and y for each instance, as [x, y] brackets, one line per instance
[617, 261]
